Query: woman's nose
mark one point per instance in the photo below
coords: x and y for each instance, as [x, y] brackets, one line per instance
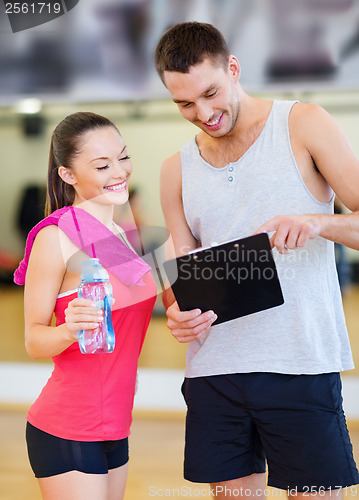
[121, 170]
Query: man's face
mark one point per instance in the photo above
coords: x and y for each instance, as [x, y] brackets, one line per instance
[207, 96]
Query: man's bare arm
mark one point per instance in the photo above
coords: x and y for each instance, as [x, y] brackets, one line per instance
[184, 325]
[336, 161]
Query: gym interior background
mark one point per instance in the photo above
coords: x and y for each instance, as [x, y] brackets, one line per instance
[99, 58]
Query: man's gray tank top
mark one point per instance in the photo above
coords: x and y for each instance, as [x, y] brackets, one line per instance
[305, 335]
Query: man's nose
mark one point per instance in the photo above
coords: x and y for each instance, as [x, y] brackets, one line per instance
[204, 112]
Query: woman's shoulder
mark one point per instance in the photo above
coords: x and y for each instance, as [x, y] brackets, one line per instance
[47, 232]
[47, 242]
[55, 243]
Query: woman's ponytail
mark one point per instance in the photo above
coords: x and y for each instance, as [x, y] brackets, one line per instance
[59, 194]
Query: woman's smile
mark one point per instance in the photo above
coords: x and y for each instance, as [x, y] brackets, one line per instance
[117, 187]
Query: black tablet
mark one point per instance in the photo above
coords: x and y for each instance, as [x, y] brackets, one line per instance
[234, 279]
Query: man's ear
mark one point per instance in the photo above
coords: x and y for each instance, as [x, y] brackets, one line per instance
[234, 68]
[66, 175]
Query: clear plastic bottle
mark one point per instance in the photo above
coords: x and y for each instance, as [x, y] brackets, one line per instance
[96, 287]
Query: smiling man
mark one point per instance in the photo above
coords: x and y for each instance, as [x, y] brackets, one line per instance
[266, 387]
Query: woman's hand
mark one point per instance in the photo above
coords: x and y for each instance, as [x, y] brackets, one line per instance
[82, 314]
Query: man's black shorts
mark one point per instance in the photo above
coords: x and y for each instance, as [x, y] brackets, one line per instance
[237, 422]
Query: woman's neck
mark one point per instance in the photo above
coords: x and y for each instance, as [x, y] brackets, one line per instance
[104, 213]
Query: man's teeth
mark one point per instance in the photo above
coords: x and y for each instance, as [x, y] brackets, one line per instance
[215, 122]
[116, 187]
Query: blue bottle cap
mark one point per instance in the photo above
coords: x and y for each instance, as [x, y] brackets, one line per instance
[93, 271]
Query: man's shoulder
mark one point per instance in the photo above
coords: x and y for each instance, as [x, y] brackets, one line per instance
[172, 162]
[171, 172]
[309, 121]
[303, 112]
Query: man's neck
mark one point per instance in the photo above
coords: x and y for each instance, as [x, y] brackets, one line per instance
[252, 117]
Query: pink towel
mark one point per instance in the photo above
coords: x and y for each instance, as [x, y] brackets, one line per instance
[91, 236]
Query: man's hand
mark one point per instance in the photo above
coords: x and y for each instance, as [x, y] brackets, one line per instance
[292, 231]
[188, 325]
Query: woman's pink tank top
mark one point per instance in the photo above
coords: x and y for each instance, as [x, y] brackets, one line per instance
[89, 397]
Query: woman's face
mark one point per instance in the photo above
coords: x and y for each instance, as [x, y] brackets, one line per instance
[102, 168]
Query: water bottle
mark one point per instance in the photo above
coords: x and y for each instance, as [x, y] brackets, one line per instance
[96, 287]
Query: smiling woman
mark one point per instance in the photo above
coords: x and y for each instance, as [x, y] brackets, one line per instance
[82, 417]
[101, 165]
[87, 162]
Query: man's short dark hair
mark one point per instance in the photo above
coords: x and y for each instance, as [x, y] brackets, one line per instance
[187, 44]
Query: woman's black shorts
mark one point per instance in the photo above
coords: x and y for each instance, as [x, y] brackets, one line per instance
[50, 455]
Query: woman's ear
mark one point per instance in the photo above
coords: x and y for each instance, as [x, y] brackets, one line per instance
[66, 175]
[234, 68]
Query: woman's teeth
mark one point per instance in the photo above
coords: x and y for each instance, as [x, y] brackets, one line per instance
[116, 187]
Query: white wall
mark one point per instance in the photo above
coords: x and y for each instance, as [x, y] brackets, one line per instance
[158, 389]
[150, 140]
[152, 130]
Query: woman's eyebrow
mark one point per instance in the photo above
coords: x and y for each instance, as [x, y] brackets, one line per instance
[106, 157]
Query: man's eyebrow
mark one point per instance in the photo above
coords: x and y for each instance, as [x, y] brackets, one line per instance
[207, 91]
[106, 157]
[178, 101]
